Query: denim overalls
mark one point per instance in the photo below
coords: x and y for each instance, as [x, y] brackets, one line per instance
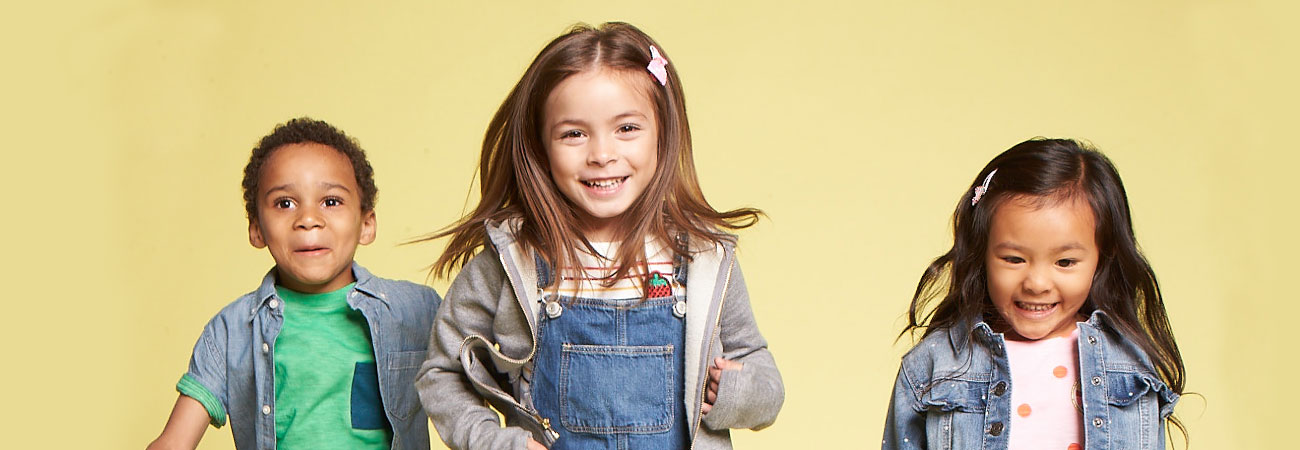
[608, 372]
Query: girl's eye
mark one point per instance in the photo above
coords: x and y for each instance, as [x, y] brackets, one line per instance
[1067, 262]
[571, 134]
[1013, 259]
[628, 128]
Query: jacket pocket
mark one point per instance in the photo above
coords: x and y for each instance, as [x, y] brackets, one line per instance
[1126, 388]
[400, 398]
[955, 396]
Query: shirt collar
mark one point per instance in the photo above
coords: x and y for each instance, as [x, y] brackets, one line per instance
[365, 284]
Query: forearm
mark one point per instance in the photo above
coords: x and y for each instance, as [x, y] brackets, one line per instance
[750, 397]
[184, 428]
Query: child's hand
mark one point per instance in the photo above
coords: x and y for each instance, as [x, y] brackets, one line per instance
[534, 445]
[715, 375]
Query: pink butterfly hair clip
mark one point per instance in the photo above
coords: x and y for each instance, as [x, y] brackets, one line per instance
[657, 66]
[983, 189]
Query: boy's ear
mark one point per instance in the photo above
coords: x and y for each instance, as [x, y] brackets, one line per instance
[368, 229]
[255, 234]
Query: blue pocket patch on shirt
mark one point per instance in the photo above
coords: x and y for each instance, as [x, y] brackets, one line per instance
[367, 406]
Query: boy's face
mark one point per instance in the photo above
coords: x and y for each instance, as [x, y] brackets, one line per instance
[309, 216]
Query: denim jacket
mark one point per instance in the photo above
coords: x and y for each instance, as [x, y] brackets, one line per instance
[953, 391]
[234, 357]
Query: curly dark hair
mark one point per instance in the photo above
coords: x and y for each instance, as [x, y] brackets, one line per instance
[306, 129]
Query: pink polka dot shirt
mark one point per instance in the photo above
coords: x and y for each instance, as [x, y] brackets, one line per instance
[1044, 401]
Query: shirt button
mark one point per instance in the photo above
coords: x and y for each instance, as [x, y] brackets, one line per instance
[273, 303]
[266, 409]
[265, 347]
[996, 429]
[1096, 381]
[1000, 388]
[1097, 422]
[1092, 340]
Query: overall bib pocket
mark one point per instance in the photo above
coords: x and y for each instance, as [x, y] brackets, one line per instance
[608, 389]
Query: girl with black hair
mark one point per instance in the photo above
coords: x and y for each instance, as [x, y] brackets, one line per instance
[1049, 330]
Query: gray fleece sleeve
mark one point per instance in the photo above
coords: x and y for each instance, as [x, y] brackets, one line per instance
[750, 397]
[460, 415]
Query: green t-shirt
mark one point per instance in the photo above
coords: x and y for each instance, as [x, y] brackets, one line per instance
[326, 383]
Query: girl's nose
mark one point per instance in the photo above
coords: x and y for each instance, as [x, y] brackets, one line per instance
[1036, 281]
[600, 152]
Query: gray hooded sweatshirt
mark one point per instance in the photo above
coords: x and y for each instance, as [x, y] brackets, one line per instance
[484, 337]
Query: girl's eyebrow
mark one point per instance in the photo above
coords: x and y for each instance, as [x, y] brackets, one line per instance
[632, 113]
[580, 122]
[563, 122]
[1010, 246]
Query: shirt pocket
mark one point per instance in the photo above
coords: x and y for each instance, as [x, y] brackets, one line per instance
[400, 398]
[616, 388]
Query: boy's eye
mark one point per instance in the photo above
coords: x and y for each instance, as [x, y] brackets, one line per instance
[333, 201]
[283, 203]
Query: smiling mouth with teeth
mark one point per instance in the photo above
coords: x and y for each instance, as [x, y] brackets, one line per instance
[1036, 307]
[604, 184]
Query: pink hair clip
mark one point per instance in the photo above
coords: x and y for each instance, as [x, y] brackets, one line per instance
[657, 65]
[981, 190]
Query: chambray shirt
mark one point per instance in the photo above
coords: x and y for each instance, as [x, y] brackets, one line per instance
[953, 391]
[234, 357]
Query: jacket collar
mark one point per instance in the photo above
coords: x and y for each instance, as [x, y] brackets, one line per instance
[958, 335]
[366, 284]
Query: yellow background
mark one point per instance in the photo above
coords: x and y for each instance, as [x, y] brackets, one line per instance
[855, 125]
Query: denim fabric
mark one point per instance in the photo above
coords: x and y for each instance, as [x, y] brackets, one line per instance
[492, 311]
[953, 391]
[233, 358]
[610, 372]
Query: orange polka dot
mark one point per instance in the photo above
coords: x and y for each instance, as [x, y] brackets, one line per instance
[1060, 371]
[1074, 447]
[1023, 410]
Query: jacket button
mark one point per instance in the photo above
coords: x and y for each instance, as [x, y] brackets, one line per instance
[1092, 340]
[1000, 388]
[1097, 422]
[995, 429]
[1096, 381]
[265, 347]
[266, 409]
[273, 303]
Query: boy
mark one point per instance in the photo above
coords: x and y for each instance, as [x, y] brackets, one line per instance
[322, 354]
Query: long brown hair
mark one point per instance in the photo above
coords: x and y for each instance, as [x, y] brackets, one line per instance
[514, 169]
[1124, 285]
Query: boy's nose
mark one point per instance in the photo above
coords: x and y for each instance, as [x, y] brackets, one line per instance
[308, 219]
